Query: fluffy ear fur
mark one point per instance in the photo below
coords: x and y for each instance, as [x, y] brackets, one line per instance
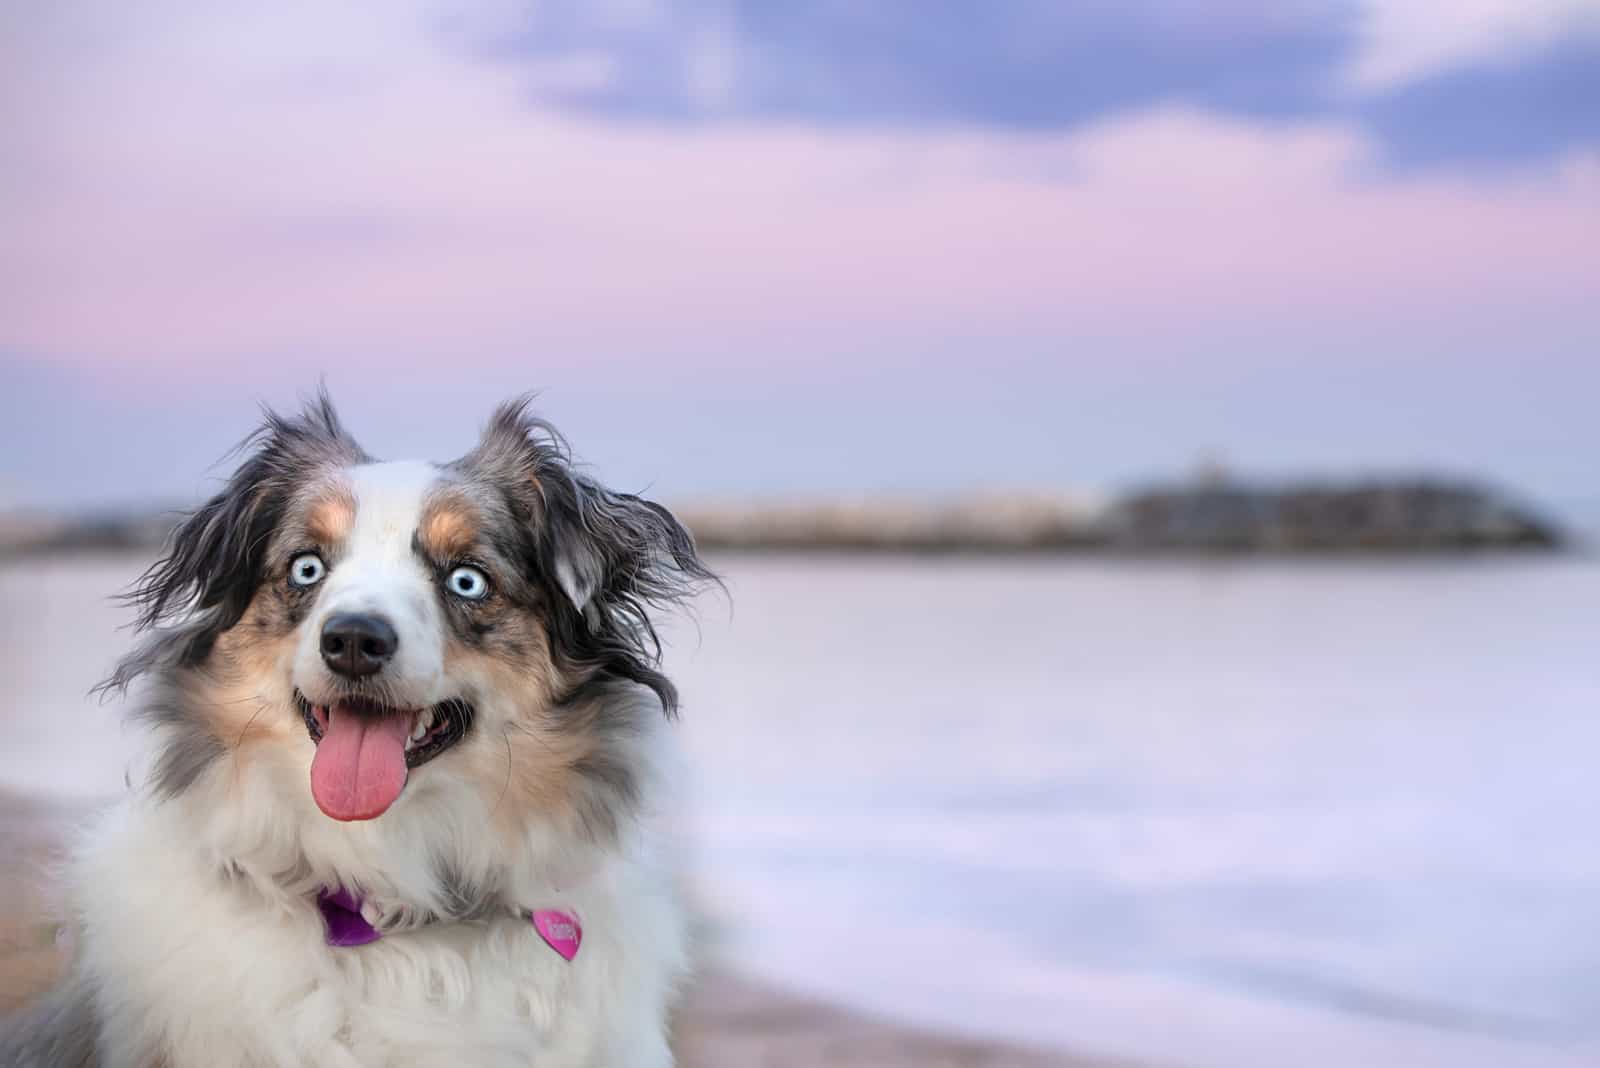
[213, 559]
[604, 559]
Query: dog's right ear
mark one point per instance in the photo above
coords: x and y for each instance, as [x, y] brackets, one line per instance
[214, 558]
[208, 573]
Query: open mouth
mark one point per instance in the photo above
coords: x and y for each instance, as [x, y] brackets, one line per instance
[432, 730]
[366, 749]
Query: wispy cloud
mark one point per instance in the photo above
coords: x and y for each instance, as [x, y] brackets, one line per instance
[1405, 41]
[1432, 82]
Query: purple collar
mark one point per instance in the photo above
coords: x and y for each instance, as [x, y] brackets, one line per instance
[341, 913]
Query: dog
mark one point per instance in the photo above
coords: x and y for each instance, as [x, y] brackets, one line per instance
[407, 797]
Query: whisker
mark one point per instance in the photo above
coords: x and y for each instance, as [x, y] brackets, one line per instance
[261, 705]
[505, 787]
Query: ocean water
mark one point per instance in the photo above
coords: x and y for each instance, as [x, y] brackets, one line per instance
[1232, 813]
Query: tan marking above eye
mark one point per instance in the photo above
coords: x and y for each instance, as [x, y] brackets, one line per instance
[331, 516]
[449, 528]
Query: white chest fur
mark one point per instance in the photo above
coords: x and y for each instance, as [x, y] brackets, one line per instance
[190, 968]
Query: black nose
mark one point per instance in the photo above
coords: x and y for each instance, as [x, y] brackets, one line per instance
[355, 645]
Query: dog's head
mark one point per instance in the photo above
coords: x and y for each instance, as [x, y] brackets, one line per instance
[476, 630]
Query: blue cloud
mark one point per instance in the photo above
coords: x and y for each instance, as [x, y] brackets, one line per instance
[1033, 63]
[1044, 64]
[1490, 114]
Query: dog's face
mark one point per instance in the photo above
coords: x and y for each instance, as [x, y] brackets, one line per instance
[396, 629]
[398, 621]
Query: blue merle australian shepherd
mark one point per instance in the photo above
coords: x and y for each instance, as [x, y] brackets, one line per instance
[402, 802]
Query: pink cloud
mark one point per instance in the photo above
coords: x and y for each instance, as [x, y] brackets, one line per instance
[195, 194]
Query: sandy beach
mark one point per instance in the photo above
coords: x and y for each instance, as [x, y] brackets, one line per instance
[727, 1022]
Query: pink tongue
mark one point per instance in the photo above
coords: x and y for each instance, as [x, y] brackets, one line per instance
[360, 766]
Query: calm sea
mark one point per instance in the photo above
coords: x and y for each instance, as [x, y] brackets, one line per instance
[1328, 813]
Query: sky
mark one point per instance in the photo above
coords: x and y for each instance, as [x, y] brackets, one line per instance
[765, 248]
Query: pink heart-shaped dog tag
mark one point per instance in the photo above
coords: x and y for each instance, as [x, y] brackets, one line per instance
[560, 930]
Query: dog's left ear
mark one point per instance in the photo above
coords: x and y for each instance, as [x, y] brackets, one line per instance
[604, 548]
[607, 559]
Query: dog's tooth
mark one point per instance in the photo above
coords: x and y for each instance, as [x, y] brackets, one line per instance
[421, 730]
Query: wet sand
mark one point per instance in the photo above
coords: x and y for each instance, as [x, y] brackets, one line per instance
[727, 1022]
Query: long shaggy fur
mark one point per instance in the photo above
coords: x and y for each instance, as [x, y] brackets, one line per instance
[212, 563]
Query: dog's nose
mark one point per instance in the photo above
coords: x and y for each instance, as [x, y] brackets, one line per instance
[355, 644]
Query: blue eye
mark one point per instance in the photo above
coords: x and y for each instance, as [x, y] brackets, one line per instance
[468, 583]
[306, 569]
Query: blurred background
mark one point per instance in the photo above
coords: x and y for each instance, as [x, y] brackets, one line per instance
[1150, 447]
